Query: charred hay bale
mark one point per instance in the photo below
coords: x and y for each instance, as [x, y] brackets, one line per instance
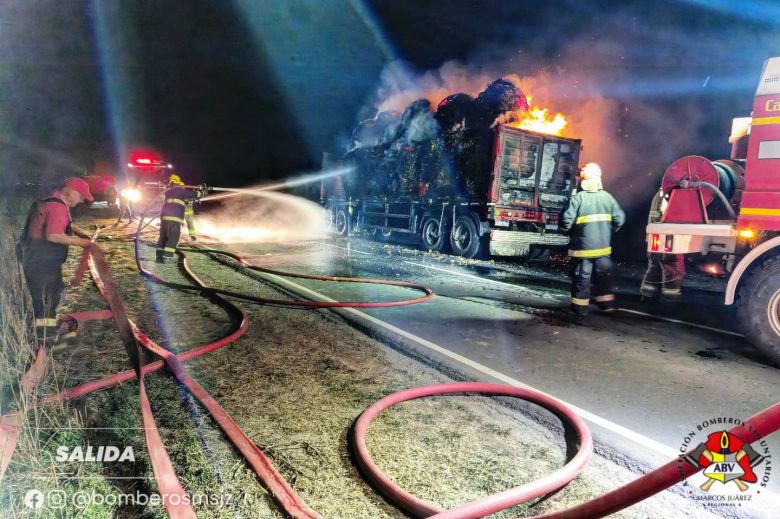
[499, 97]
[454, 111]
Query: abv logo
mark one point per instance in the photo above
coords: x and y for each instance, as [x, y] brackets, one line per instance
[735, 467]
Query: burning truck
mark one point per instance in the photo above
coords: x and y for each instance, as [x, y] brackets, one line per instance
[477, 176]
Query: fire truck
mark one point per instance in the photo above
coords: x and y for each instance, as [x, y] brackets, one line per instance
[531, 177]
[145, 168]
[732, 208]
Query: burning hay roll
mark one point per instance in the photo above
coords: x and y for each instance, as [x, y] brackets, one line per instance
[446, 153]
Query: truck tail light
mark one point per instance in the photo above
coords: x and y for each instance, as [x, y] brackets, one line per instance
[747, 234]
[655, 242]
[669, 243]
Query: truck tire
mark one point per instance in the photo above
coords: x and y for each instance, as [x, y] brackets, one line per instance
[759, 308]
[341, 222]
[328, 219]
[434, 238]
[465, 239]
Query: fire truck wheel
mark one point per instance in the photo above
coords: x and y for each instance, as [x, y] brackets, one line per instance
[341, 222]
[759, 307]
[432, 236]
[465, 239]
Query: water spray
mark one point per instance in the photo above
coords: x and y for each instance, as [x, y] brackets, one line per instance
[301, 180]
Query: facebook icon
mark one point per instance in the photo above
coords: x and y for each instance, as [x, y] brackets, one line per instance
[33, 499]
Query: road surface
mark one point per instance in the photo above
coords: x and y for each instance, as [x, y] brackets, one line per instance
[643, 382]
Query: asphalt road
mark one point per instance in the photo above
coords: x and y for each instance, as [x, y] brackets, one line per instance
[643, 383]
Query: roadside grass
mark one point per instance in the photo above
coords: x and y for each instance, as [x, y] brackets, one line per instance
[34, 465]
[213, 475]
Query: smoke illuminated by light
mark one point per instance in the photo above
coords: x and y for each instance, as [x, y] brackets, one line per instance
[267, 216]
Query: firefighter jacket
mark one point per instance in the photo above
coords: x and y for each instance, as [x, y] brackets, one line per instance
[176, 199]
[590, 218]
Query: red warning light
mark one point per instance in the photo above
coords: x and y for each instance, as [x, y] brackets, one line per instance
[146, 159]
[655, 242]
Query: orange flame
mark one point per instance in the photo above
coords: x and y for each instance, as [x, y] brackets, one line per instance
[538, 120]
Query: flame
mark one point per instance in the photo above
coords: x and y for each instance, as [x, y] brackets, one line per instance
[537, 120]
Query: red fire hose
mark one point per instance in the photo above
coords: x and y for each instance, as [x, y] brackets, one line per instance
[278, 486]
[328, 304]
[486, 505]
[754, 428]
[11, 423]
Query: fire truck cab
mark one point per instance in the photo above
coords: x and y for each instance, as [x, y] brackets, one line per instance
[732, 207]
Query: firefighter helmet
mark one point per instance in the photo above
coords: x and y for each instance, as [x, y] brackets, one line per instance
[590, 171]
[175, 180]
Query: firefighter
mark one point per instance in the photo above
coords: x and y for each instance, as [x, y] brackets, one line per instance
[173, 215]
[664, 270]
[590, 218]
[189, 218]
[43, 248]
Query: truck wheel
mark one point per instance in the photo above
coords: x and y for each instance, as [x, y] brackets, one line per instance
[341, 224]
[465, 240]
[327, 219]
[433, 237]
[759, 308]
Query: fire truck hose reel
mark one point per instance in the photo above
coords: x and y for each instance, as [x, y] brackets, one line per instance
[714, 189]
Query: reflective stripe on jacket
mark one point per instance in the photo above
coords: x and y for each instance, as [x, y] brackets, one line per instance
[176, 199]
[590, 217]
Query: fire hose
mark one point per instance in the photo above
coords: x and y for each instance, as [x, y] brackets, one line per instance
[758, 426]
[202, 287]
[280, 489]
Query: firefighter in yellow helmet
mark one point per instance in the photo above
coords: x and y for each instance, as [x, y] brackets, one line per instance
[590, 218]
[177, 209]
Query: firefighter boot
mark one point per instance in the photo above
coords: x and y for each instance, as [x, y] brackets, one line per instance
[45, 330]
[653, 276]
[160, 257]
[68, 329]
[606, 303]
[579, 311]
[648, 290]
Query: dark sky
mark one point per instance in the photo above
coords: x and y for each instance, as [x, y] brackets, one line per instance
[236, 91]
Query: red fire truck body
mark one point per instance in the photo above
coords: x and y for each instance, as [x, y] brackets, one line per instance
[732, 208]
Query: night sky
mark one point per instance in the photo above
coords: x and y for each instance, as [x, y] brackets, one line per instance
[236, 92]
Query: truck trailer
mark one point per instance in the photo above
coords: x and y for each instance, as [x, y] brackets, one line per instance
[501, 198]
